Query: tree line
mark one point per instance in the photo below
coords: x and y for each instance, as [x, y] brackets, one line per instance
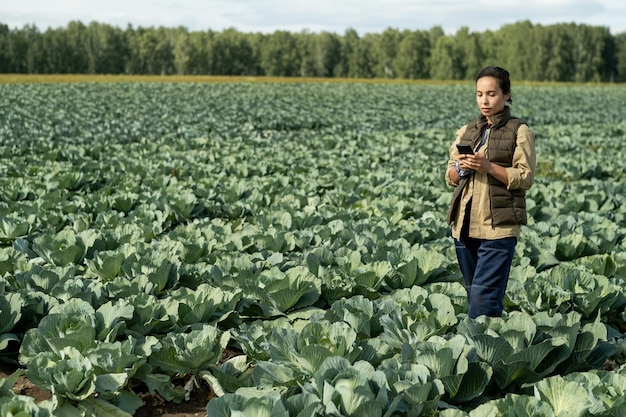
[566, 52]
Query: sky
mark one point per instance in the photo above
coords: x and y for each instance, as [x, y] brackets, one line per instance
[267, 16]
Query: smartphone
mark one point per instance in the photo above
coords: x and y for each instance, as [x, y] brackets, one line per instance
[464, 149]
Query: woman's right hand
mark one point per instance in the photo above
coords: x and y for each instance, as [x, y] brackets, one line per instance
[463, 166]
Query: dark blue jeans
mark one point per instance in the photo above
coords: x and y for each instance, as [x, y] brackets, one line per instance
[485, 265]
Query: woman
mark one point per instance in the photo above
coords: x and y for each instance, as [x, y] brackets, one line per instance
[488, 205]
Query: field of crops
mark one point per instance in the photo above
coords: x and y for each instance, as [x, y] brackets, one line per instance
[284, 246]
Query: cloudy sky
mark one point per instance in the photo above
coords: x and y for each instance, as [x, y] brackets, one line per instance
[366, 16]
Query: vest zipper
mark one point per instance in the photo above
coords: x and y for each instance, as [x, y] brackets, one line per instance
[489, 183]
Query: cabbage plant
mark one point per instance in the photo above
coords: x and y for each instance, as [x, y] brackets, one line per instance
[246, 403]
[191, 355]
[72, 324]
[523, 349]
[69, 375]
[11, 305]
[346, 390]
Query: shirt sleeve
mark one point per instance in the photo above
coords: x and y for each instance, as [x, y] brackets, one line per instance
[522, 173]
[454, 155]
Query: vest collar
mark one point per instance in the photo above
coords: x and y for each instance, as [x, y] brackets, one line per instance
[499, 119]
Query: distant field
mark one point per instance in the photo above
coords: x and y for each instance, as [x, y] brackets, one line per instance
[81, 78]
[162, 239]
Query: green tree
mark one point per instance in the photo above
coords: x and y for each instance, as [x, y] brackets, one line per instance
[620, 57]
[54, 45]
[75, 51]
[470, 54]
[133, 65]
[361, 58]
[593, 53]
[559, 52]
[413, 58]
[256, 41]
[386, 47]
[559, 62]
[5, 59]
[513, 47]
[608, 66]
[447, 60]
[435, 33]
[349, 44]
[105, 48]
[280, 55]
[25, 49]
[327, 53]
[181, 51]
[320, 54]
[230, 53]
[164, 51]
[152, 51]
[306, 45]
[197, 44]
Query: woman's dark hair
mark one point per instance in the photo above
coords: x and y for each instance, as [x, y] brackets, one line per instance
[499, 74]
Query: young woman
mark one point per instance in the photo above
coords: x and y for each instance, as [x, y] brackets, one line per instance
[488, 205]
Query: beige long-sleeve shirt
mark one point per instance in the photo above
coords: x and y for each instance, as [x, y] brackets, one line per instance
[520, 176]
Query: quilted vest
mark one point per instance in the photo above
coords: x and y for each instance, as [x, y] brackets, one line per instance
[508, 207]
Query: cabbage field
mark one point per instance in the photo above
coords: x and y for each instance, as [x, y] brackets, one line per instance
[283, 246]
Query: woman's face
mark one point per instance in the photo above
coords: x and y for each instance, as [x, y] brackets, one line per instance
[489, 96]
